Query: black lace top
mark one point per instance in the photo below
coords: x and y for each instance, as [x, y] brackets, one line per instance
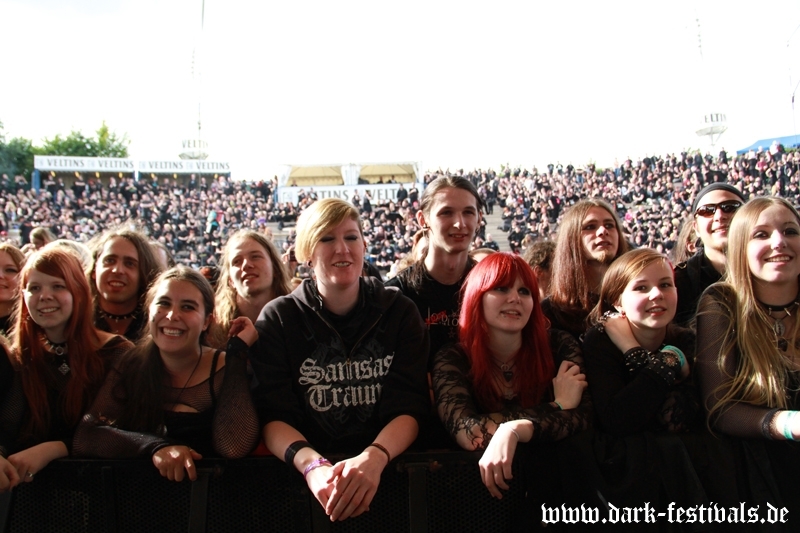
[223, 420]
[472, 426]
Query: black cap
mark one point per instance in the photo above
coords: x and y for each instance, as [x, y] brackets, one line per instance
[716, 187]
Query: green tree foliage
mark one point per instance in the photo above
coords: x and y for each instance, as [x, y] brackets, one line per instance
[105, 144]
[16, 155]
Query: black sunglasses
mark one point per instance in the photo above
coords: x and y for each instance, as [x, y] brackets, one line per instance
[727, 207]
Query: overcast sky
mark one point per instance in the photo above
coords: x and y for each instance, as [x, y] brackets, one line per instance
[459, 84]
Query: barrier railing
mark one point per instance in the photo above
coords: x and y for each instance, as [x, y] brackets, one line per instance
[433, 491]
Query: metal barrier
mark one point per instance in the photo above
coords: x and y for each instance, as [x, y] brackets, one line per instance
[438, 491]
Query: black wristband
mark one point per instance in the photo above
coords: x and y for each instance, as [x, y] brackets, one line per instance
[291, 451]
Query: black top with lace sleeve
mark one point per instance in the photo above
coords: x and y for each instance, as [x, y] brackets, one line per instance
[223, 420]
[738, 419]
[472, 426]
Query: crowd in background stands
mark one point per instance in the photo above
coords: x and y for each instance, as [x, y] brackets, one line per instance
[652, 196]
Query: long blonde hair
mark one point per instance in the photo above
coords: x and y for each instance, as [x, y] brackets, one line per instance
[762, 373]
[226, 309]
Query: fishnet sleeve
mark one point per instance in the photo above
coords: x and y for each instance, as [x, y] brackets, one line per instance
[236, 428]
[472, 430]
[713, 326]
[97, 435]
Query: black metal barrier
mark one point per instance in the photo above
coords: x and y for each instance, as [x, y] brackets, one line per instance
[434, 491]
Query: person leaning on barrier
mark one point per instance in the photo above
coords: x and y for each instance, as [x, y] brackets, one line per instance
[341, 365]
[62, 360]
[172, 397]
[510, 380]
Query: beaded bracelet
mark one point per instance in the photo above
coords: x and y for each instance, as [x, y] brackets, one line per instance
[383, 449]
[316, 463]
[677, 351]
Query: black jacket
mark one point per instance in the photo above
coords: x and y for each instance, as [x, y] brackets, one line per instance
[340, 380]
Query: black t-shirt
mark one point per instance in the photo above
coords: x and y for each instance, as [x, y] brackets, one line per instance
[438, 304]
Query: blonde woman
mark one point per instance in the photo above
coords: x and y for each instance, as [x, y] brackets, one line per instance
[748, 356]
[370, 408]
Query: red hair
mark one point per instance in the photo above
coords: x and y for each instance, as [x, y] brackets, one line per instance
[87, 369]
[534, 361]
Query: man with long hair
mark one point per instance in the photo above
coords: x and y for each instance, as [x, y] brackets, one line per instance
[450, 216]
[251, 275]
[123, 267]
[589, 240]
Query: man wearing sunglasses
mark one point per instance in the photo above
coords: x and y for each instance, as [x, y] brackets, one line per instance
[712, 211]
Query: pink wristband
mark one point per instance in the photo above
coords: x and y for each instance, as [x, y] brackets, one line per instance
[316, 463]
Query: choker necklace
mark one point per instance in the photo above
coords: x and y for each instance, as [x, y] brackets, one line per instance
[507, 369]
[59, 351]
[118, 318]
[777, 326]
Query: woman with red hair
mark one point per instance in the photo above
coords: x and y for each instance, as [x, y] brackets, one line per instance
[62, 360]
[510, 379]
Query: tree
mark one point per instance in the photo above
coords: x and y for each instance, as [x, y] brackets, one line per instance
[105, 144]
[16, 155]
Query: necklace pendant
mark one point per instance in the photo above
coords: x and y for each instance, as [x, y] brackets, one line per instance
[779, 328]
[64, 368]
[508, 375]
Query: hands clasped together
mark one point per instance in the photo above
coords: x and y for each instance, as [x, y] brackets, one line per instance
[347, 488]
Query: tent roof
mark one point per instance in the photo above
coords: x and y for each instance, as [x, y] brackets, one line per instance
[316, 175]
[402, 172]
[788, 141]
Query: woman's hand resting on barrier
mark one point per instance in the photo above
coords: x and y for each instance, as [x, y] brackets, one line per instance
[32, 460]
[495, 463]
[171, 462]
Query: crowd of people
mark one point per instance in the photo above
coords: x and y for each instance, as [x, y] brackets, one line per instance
[193, 219]
[605, 373]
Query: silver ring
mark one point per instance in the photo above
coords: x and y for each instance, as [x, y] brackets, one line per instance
[29, 475]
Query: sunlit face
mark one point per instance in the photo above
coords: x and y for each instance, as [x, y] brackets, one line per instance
[599, 235]
[650, 299]
[507, 309]
[49, 303]
[178, 317]
[713, 230]
[338, 257]
[116, 273]
[250, 268]
[9, 279]
[772, 252]
[453, 219]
